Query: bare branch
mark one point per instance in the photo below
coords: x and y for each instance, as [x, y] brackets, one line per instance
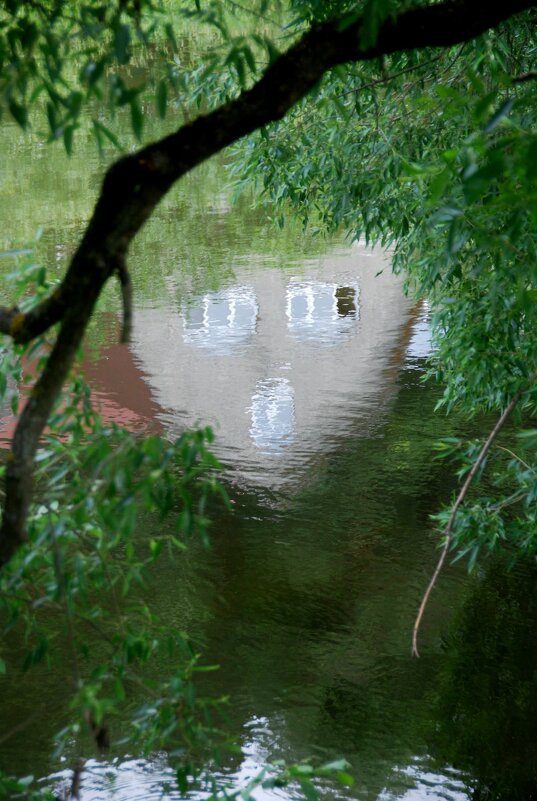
[527, 76]
[448, 531]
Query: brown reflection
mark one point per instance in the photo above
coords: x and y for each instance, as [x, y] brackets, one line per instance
[346, 301]
[120, 391]
[119, 388]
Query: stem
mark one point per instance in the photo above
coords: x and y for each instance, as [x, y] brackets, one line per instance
[448, 531]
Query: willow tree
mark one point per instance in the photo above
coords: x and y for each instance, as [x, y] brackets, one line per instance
[408, 123]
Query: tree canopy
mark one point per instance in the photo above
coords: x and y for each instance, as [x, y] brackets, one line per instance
[409, 124]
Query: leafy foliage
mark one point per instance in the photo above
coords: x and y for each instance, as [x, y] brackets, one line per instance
[434, 155]
[60, 60]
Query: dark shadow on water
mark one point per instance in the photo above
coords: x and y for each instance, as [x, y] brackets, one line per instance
[486, 708]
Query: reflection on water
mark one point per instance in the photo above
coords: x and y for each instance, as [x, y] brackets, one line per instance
[273, 413]
[426, 784]
[221, 321]
[346, 299]
[307, 603]
[321, 313]
[309, 369]
[486, 708]
[122, 780]
[420, 344]
[225, 350]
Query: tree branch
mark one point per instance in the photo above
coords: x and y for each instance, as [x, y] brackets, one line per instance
[527, 76]
[448, 532]
[135, 184]
[126, 299]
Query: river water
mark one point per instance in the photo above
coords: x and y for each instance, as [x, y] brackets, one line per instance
[307, 359]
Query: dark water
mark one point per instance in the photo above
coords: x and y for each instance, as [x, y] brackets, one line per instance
[310, 369]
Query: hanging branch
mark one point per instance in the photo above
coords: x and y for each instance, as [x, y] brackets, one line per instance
[448, 531]
[126, 300]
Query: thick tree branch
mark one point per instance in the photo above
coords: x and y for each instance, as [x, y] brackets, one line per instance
[135, 184]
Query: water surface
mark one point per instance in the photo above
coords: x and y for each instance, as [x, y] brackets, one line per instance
[309, 366]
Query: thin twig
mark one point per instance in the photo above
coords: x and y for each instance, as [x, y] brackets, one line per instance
[497, 507]
[526, 76]
[448, 532]
[126, 298]
[518, 459]
[254, 13]
[390, 77]
[74, 791]
[435, 76]
[19, 727]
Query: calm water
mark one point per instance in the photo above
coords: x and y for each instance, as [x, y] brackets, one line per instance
[309, 367]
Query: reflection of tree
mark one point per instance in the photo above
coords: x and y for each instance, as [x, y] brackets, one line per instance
[488, 701]
[312, 608]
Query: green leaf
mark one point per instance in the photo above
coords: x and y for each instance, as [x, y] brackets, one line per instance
[497, 117]
[310, 793]
[18, 112]
[110, 135]
[438, 185]
[137, 118]
[68, 133]
[373, 15]
[170, 36]
[119, 690]
[531, 161]
[122, 38]
[162, 97]
[336, 764]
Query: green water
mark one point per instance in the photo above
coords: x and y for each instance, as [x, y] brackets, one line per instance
[307, 596]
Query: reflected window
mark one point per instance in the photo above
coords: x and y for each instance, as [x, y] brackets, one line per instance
[321, 313]
[420, 345]
[273, 413]
[221, 321]
[346, 301]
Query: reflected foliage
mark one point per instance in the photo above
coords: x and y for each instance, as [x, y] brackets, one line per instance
[487, 709]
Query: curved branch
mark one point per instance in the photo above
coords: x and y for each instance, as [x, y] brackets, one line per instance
[448, 531]
[135, 184]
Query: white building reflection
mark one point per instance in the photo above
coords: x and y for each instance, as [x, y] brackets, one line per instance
[272, 413]
[420, 345]
[277, 363]
[221, 321]
[321, 313]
